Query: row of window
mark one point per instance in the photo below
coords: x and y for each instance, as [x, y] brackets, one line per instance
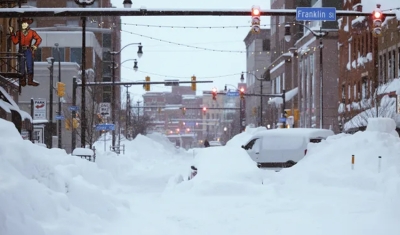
[388, 69]
[74, 52]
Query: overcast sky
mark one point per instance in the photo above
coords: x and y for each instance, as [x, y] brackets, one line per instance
[179, 62]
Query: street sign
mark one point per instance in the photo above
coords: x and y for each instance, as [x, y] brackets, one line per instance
[232, 93]
[60, 117]
[73, 108]
[39, 109]
[315, 13]
[105, 127]
[105, 109]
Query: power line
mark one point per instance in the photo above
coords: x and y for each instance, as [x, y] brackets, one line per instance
[181, 44]
[192, 27]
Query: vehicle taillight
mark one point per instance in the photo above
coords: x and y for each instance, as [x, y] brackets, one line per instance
[305, 152]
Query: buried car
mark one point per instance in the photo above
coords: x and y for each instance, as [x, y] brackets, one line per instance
[280, 148]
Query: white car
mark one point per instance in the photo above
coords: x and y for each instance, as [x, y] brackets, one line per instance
[282, 147]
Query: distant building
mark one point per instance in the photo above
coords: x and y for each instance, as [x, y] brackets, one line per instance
[258, 48]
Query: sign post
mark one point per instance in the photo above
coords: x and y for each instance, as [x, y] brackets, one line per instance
[105, 109]
[39, 109]
[315, 14]
[105, 127]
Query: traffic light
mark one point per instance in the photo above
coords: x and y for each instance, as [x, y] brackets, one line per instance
[75, 123]
[68, 124]
[183, 110]
[214, 93]
[60, 89]
[147, 86]
[204, 110]
[377, 19]
[255, 19]
[296, 115]
[193, 83]
[254, 110]
[288, 112]
[241, 92]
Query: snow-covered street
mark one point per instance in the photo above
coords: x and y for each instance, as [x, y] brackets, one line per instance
[49, 192]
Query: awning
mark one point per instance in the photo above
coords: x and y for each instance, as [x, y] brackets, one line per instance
[8, 107]
[288, 96]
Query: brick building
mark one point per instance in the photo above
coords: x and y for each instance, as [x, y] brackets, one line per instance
[258, 46]
[9, 77]
[366, 61]
[102, 35]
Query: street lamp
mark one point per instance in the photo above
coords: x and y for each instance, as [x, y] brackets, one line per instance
[50, 61]
[127, 3]
[261, 92]
[114, 66]
[59, 98]
[319, 35]
[83, 3]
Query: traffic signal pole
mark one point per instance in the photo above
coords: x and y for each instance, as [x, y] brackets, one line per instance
[92, 12]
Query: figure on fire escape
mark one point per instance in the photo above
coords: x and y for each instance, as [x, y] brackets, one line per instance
[28, 49]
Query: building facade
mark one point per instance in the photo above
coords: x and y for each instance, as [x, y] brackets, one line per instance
[258, 47]
[366, 61]
[62, 40]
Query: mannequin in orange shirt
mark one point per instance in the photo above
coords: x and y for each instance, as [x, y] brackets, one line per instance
[26, 35]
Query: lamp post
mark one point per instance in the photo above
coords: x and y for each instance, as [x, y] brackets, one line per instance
[319, 35]
[261, 92]
[59, 98]
[83, 3]
[50, 61]
[113, 67]
[128, 108]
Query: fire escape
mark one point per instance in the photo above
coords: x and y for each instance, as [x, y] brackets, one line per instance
[10, 72]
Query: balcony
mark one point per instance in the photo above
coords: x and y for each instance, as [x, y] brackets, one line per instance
[9, 69]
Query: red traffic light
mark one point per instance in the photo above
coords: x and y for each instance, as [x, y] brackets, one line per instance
[204, 109]
[242, 90]
[255, 11]
[377, 15]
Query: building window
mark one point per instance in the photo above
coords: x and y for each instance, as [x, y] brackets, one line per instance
[278, 84]
[106, 69]
[31, 3]
[106, 97]
[38, 54]
[389, 67]
[106, 56]
[106, 79]
[266, 44]
[106, 40]
[76, 55]
[54, 53]
[398, 60]
[384, 68]
[393, 64]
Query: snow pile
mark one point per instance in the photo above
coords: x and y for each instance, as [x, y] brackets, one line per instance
[223, 171]
[49, 192]
[385, 125]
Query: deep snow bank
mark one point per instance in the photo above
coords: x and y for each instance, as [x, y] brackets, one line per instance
[221, 171]
[46, 191]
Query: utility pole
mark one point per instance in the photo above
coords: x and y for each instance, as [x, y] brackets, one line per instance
[261, 103]
[73, 136]
[127, 110]
[59, 98]
[50, 60]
